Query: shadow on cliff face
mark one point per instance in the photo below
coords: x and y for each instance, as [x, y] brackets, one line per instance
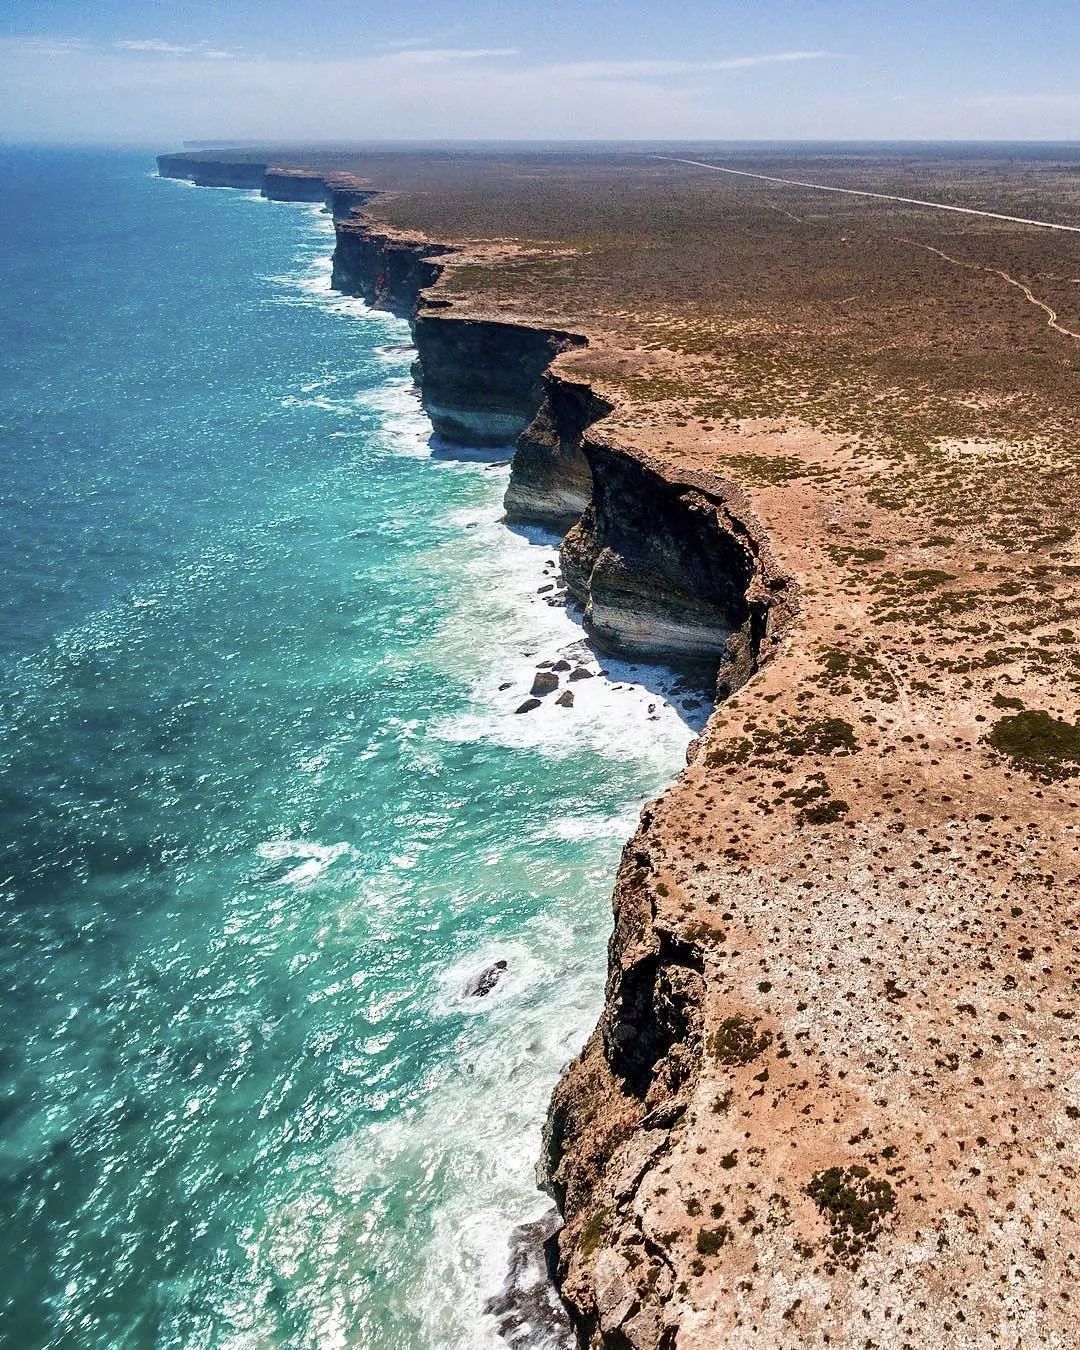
[496, 456]
[687, 687]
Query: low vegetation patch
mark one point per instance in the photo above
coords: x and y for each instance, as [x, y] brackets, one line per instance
[767, 470]
[738, 1041]
[710, 1240]
[855, 1204]
[824, 813]
[927, 578]
[827, 736]
[842, 667]
[770, 747]
[1040, 744]
[593, 1230]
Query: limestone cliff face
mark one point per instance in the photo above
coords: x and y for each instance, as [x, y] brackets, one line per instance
[481, 381]
[213, 173]
[668, 569]
[346, 201]
[340, 193]
[622, 1096]
[294, 185]
[664, 569]
[389, 271]
[550, 477]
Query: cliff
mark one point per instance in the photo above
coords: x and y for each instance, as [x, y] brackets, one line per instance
[665, 569]
[213, 172]
[387, 270]
[341, 193]
[481, 380]
[670, 567]
[831, 1098]
[294, 185]
[550, 477]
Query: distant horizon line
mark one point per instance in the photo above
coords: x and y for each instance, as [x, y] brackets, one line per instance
[270, 142]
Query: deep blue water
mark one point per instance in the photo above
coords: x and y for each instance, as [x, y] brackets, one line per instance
[266, 809]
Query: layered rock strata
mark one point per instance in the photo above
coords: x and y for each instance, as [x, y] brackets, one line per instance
[294, 185]
[481, 380]
[670, 569]
[248, 174]
[387, 270]
[341, 193]
[550, 477]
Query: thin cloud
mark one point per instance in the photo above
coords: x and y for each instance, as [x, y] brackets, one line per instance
[1020, 101]
[53, 46]
[400, 44]
[637, 70]
[436, 56]
[159, 47]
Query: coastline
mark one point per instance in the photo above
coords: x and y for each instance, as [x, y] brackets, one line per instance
[722, 609]
[835, 1042]
[487, 382]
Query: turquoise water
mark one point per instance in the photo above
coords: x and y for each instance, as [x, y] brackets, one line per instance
[266, 810]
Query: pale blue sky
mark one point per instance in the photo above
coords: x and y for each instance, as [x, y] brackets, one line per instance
[157, 72]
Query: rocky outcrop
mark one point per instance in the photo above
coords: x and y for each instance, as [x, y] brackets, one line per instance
[550, 477]
[623, 1095]
[482, 381]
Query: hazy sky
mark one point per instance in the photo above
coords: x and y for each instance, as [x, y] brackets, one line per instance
[158, 71]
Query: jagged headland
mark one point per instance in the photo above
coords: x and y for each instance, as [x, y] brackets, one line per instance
[830, 445]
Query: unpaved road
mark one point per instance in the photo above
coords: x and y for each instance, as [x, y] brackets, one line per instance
[881, 196]
[1052, 318]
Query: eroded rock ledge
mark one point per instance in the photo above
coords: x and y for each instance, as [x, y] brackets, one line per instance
[481, 380]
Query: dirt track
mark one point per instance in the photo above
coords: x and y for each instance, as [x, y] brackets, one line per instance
[880, 196]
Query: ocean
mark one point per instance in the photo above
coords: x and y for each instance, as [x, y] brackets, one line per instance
[268, 809]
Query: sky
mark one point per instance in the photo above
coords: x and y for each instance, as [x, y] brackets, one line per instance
[159, 72]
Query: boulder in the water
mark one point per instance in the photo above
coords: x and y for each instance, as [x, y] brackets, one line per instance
[528, 705]
[546, 682]
[481, 985]
[565, 699]
[580, 673]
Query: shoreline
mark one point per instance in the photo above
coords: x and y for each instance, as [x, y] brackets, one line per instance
[877, 826]
[550, 489]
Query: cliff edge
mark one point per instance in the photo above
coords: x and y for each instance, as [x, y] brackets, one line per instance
[833, 1094]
